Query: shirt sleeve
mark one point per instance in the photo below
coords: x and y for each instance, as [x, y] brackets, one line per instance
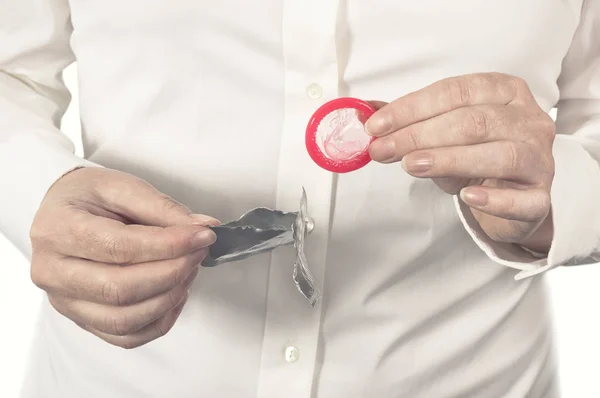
[34, 51]
[575, 193]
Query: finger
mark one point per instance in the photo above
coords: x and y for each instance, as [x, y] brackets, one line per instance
[106, 240]
[453, 186]
[377, 104]
[140, 202]
[530, 205]
[506, 160]
[145, 335]
[444, 96]
[121, 321]
[459, 127]
[111, 284]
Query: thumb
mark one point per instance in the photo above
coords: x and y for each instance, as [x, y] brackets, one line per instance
[375, 104]
[139, 202]
[453, 185]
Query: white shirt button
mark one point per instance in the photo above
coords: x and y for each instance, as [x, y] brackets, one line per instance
[314, 91]
[291, 354]
[310, 224]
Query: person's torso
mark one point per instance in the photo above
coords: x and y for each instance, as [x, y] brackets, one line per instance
[209, 101]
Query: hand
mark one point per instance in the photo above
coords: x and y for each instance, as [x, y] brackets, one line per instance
[482, 136]
[115, 255]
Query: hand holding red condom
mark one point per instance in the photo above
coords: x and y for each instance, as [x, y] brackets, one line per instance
[484, 137]
[481, 136]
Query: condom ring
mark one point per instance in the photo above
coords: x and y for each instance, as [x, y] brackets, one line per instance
[336, 138]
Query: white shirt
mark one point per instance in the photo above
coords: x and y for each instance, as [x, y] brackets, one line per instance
[208, 101]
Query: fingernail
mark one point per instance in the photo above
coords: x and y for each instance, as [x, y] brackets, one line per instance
[418, 163]
[474, 196]
[203, 219]
[204, 238]
[378, 124]
[383, 149]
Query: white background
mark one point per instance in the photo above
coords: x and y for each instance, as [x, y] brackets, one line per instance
[575, 297]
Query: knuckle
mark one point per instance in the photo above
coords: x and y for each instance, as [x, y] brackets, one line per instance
[519, 86]
[111, 293]
[549, 170]
[477, 124]
[37, 233]
[170, 205]
[80, 232]
[544, 165]
[40, 233]
[118, 249]
[409, 111]
[544, 203]
[513, 158]
[119, 324]
[117, 290]
[459, 92]
[519, 82]
[546, 175]
[546, 126]
[43, 272]
[485, 81]
[38, 273]
[401, 113]
[414, 139]
[450, 163]
[497, 77]
[70, 276]
[171, 247]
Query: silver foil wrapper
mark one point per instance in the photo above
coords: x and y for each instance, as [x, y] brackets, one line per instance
[261, 230]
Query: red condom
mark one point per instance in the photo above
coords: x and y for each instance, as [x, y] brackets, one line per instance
[336, 138]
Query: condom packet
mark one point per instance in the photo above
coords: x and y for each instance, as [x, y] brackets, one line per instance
[261, 230]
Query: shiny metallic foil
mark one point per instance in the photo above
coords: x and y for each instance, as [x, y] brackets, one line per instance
[261, 230]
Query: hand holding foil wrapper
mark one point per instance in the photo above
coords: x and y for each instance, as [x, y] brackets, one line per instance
[261, 230]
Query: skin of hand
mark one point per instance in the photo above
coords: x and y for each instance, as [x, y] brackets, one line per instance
[483, 137]
[115, 255]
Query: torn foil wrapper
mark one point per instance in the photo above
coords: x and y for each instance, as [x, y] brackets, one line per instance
[260, 230]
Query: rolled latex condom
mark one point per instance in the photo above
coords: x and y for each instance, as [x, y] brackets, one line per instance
[336, 138]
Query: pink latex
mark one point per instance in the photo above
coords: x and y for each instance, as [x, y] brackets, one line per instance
[341, 135]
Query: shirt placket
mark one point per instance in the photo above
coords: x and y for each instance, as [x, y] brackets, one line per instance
[290, 351]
